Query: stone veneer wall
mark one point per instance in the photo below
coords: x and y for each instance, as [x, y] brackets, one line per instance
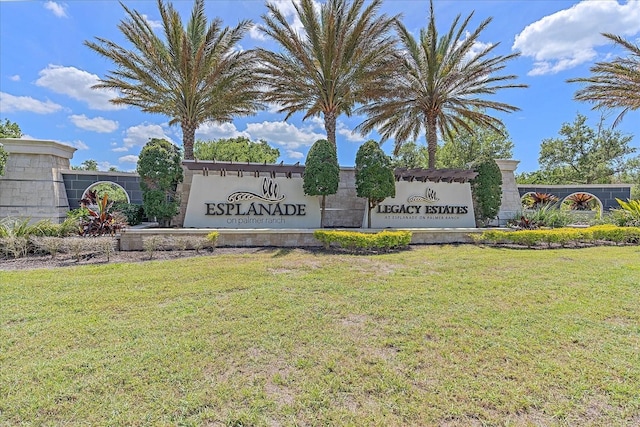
[32, 186]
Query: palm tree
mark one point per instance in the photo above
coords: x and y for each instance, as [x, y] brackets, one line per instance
[441, 86]
[614, 84]
[193, 75]
[342, 56]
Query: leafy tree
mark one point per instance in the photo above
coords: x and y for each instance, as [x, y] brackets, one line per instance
[160, 173]
[583, 155]
[239, 149]
[87, 165]
[486, 190]
[9, 129]
[614, 84]
[463, 147]
[410, 155]
[441, 85]
[342, 55]
[196, 75]
[3, 159]
[374, 176]
[321, 173]
[115, 193]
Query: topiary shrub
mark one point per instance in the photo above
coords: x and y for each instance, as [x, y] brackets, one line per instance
[321, 173]
[374, 176]
[487, 191]
[357, 241]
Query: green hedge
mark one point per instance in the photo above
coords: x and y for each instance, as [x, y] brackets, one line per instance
[354, 241]
[562, 236]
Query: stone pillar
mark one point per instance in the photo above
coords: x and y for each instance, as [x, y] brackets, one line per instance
[511, 203]
[345, 209]
[32, 186]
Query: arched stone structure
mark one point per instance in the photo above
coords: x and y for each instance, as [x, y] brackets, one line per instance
[77, 182]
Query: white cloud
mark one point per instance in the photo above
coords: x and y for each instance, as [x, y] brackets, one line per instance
[288, 10]
[155, 25]
[128, 159]
[15, 78]
[97, 124]
[213, 130]
[295, 155]
[9, 103]
[120, 149]
[256, 34]
[341, 129]
[58, 9]
[283, 134]
[79, 145]
[569, 37]
[77, 84]
[137, 136]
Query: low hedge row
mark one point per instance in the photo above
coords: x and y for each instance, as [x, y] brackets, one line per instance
[562, 236]
[353, 240]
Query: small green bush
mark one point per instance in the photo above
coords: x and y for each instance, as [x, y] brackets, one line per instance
[132, 212]
[563, 236]
[358, 241]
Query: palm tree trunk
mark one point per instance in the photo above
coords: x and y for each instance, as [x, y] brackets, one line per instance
[322, 211]
[188, 138]
[330, 127]
[432, 140]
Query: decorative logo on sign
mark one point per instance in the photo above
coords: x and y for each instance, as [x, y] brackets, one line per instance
[269, 193]
[429, 197]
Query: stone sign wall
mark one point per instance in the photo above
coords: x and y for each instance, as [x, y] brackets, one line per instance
[427, 204]
[250, 202]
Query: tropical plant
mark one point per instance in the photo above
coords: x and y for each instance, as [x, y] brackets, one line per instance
[101, 219]
[581, 202]
[132, 212]
[374, 176]
[240, 149]
[628, 215]
[486, 190]
[321, 173]
[441, 86]
[614, 84]
[343, 55]
[160, 171]
[196, 75]
[538, 200]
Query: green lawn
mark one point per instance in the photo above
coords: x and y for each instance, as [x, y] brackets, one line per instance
[441, 335]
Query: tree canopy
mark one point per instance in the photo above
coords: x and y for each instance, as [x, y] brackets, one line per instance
[160, 170]
[240, 149]
[583, 155]
[342, 55]
[192, 74]
[9, 129]
[614, 84]
[374, 176]
[442, 85]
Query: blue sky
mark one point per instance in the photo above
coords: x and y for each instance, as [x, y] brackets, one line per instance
[46, 73]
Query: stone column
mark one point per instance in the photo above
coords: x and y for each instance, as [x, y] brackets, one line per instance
[32, 186]
[511, 203]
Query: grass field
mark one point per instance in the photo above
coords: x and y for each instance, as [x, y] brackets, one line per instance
[442, 335]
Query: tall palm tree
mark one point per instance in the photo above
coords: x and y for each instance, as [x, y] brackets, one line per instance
[193, 74]
[614, 84]
[342, 56]
[441, 86]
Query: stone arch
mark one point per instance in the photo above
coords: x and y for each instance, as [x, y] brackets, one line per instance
[115, 184]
